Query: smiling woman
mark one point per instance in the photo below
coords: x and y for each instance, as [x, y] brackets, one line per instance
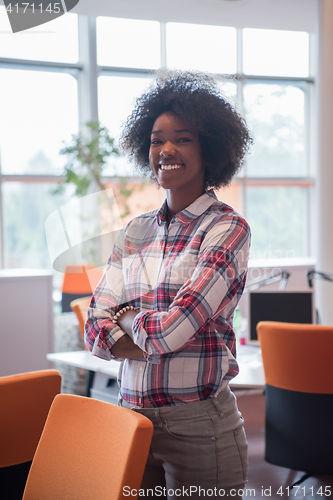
[165, 305]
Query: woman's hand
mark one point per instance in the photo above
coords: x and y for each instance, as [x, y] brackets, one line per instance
[179, 297]
[125, 321]
[125, 347]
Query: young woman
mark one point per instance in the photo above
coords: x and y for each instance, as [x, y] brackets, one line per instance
[165, 305]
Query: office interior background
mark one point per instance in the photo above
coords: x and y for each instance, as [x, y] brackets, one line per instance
[274, 61]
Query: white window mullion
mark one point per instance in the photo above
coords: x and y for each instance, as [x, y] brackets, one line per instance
[239, 64]
[163, 45]
[87, 88]
[240, 106]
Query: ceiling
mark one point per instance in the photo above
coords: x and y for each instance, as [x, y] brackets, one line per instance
[299, 15]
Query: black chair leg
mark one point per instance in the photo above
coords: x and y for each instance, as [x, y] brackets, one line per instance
[90, 381]
[303, 478]
[12, 481]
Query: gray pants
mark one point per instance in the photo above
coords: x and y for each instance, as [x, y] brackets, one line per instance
[198, 450]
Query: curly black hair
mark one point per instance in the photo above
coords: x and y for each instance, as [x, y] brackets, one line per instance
[197, 98]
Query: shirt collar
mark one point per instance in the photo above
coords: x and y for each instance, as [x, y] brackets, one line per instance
[197, 208]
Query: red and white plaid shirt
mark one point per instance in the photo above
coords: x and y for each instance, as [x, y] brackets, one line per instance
[189, 349]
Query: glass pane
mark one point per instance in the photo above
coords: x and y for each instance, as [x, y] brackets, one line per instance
[26, 207]
[55, 41]
[229, 89]
[128, 43]
[116, 96]
[275, 53]
[278, 220]
[38, 111]
[275, 115]
[201, 47]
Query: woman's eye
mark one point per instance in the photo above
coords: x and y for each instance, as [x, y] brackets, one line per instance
[184, 139]
[155, 141]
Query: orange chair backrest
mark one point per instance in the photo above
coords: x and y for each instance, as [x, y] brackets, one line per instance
[89, 449]
[25, 400]
[80, 307]
[297, 357]
[81, 279]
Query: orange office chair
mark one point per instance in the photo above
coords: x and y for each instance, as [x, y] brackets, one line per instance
[80, 307]
[298, 366]
[25, 400]
[89, 449]
[79, 281]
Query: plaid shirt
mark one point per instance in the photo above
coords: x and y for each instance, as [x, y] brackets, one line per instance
[189, 349]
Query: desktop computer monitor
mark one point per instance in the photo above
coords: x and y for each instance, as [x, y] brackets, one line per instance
[288, 307]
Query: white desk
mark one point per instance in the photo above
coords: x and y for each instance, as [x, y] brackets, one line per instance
[84, 359]
[251, 375]
[104, 385]
[251, 372]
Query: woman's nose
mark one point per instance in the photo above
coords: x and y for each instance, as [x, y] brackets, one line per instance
[167, 150]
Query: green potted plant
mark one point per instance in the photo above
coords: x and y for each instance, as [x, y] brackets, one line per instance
[87, 157]
[94, 212]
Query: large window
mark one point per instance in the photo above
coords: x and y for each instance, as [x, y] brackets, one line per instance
[275, 113]
[26, 208]
[44, 95]
[33, 105]
[208, 48]
[116, 95]
[275, 53]
[128, 43]
[58, 44]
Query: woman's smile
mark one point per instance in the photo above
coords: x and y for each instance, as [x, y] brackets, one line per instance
[169, 166]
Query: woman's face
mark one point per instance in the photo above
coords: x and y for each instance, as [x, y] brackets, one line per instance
[175, 154]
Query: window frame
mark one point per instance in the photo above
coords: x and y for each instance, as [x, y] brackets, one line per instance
[87, 71]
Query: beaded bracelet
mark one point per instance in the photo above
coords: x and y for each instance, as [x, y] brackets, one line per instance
[122, 311]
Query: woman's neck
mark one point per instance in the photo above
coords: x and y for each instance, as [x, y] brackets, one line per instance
[176, 204]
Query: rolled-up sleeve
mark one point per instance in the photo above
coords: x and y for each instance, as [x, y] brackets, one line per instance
[100, 333]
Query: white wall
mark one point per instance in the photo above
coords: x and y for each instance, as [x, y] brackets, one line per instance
[324, 198]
